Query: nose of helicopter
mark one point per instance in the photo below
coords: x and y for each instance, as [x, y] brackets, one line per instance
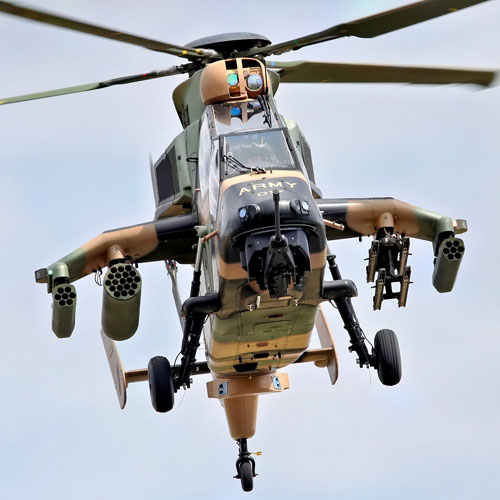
[248, 204]
[270, 224]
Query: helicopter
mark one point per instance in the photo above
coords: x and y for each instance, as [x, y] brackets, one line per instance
[248, 215]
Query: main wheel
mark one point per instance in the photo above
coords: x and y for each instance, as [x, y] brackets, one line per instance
[246, 475]
[161, 384]
[388, 357]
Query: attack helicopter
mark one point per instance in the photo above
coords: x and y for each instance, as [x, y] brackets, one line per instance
[236, 198]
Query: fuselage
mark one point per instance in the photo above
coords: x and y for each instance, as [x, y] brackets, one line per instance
[246, 155]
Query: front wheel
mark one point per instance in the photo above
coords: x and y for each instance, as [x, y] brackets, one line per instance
[388, 358]
[246, 475]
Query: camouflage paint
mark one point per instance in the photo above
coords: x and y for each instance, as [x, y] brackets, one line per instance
[363, 216]
[251, 327]
[172, 239]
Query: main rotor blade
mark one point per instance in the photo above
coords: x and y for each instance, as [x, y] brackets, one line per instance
[323, 72]
[73, 24]
[372, 26]
[174, 70]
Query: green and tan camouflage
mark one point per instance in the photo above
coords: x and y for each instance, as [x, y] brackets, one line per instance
[251, 328]
[252, 333]
[236, 198]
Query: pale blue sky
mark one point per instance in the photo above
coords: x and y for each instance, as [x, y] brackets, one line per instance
[77, 165]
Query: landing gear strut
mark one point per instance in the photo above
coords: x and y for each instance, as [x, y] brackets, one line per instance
[351, 323]
[245, 466]
[385, 357]
[163, 380]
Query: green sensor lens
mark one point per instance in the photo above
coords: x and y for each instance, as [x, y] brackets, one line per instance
[232, 79]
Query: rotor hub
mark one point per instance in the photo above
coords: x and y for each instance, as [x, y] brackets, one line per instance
[229, 43]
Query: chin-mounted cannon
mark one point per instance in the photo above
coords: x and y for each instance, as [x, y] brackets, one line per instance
[278, 259]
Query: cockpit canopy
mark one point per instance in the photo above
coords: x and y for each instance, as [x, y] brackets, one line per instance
[251, 137]
[245, 136]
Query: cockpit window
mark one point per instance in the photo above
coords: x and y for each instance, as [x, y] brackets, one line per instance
[247, 115]
[256, 152]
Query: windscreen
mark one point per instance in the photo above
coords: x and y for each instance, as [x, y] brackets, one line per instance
[258, 151]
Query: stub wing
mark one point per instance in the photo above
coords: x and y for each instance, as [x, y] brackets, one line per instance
[364, 216]
[164, 239]
[121, 250]
[392, 223]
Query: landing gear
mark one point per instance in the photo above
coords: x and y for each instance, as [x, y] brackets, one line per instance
[246, 475]
[351, 323]
[161, 384]
[163, 381]
[245, 466]
[388, 357]
[385, 357]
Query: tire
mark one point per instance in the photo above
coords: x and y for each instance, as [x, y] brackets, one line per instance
[161, 384]
[388, 357]
[246, 475]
